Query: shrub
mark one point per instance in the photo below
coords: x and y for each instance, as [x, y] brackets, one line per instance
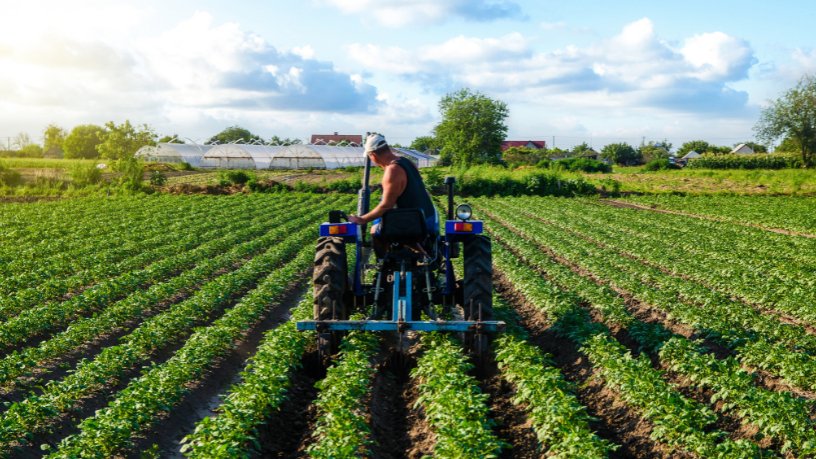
[491, 181]
[659, 165]
[83, 175]
[157, 178]
[584, 164]
[434, 178]
[755, 161]
[9, 177]
[227, 178]
[132, 174]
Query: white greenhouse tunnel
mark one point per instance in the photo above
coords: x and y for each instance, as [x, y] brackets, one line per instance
[242, 156]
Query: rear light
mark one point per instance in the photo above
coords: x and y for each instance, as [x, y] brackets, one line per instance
[463, 227]
[338, 229]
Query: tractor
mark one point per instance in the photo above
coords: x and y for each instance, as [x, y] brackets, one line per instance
[411, 287]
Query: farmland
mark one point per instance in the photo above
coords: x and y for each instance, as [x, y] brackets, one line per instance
[651, 326]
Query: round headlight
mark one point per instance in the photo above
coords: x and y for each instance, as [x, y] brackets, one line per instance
[463, 212]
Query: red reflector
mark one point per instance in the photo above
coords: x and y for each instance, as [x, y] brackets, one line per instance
[463, 227]
[339, 229]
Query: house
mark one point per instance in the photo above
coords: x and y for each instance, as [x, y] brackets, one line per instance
[354, 140]
[688, 156]
[534, 144]
[742, 149]
[590, 153]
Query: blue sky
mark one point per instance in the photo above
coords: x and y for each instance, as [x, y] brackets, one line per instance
[569, 71]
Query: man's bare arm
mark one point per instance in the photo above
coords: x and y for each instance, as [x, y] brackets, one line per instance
[394, 182]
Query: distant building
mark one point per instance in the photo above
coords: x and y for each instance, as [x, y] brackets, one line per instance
[534, 144]
[354, 140]
[742, 149]
[691, 155]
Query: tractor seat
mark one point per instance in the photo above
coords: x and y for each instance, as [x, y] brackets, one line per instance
[406, 226]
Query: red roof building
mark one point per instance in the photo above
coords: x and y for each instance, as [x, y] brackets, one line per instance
[334, 139]
[534, 144]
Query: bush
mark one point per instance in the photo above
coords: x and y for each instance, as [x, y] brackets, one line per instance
[659, 165]
[9, 177]
[755, 161]
[434, 178]
[83, 175]
[226, 178]
[157, 178]
[184, 166]
[132, 174]
[491, 181]
[584, 165]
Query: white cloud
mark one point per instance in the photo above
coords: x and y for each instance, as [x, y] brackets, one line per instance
[398, 13]
[634, 68]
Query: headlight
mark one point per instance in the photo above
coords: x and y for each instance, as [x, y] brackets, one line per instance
[463, 212]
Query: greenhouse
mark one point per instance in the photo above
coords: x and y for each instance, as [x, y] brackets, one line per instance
[242, 156]
[191, 154]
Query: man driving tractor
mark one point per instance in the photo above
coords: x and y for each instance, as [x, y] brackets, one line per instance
[402, 187]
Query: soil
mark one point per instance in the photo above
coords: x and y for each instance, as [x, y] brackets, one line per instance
[512, 423]
[389, 411]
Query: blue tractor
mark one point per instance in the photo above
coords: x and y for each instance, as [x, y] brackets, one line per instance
[411, 286]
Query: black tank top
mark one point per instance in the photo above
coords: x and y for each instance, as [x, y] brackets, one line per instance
[415, 194]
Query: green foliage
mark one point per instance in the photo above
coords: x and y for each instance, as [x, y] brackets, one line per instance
[434, 178]
[275, 140]
[9, 177]
[491, 181]
[655, 150]
[234, 177]
[157, 178]
[82, 141]
[582, 164]
[53, 138]
[622, 154]
[426, 144]
[700, 146]
[793, 116]
[757, 147]
[472, 128]
[234, 134]
[132, 174]
[122, 141]
[755, 161]
[85, 174]
[170, 139]
[517, 156]
[660, 164]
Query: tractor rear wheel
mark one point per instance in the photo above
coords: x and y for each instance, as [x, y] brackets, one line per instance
[330, 281]
[477, 294]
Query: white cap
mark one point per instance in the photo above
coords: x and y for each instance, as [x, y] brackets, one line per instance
[374, 142]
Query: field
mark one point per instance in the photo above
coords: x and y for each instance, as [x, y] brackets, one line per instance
[163, 326]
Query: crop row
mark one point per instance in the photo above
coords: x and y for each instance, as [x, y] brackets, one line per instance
[135, 306]
[677, 420]
[37, 412]
[782, 279]
[140, 404]
[791, 213]
[342, 428]
[55, 315]
[453, 405]
[164, 246]
[560, 421]
[793, 425]
[264, 384]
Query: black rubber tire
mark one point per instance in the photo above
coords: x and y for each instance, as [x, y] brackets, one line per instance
[330, 282]
[477, 284]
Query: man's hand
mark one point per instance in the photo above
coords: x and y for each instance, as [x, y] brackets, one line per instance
[355, 219]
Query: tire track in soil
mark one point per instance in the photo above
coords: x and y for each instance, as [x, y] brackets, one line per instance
[388, 409]
[512, 424]
[615, 421]
[206, 395]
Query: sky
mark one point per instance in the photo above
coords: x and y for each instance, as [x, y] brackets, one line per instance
[569, 72]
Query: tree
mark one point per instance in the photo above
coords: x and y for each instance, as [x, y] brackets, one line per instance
[122, 142]
[472, 128]
[426, 144]
[235, 134]
[53, 138]
[621, 154]
[581, 149]
[793, 115]
[788, 145]
[21, 141]
[522, 155]
[82, 141]
[700, 146]
[275, 140]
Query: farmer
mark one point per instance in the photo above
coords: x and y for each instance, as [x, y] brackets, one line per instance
[402, 188]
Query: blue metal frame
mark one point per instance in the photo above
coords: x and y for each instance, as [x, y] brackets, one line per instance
[388, 325]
